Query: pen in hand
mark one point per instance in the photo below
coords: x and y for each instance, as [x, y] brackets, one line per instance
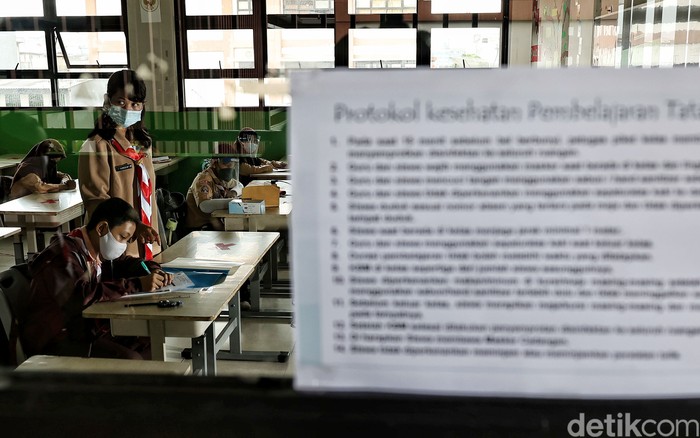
[145, 268]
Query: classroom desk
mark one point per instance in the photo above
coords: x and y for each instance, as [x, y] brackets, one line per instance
[278, 175]
[8, 163]
[164, 168]
[16, 232]
[274, 218]
[195, 318]
[9, 231]
[244, 250]
[48, 210]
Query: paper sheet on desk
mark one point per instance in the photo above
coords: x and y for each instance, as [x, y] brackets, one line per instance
[202, 264]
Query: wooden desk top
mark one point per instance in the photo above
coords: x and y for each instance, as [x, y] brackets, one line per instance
[47, 204]
[9, 231]
[241, 247]
[247, 248]
[197, 306]
[285, 186]
[167, 166]
[7, 164]
[282, 174]
[97, 365]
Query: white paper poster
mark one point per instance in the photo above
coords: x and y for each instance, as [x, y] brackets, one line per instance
[509, 232]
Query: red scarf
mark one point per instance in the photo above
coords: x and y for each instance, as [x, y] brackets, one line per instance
[145, 186]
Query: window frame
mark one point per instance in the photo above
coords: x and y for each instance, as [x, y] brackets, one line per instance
[52, 24]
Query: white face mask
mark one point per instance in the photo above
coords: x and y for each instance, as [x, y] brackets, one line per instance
[110, 248]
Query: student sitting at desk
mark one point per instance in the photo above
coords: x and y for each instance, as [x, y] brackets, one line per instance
[247, 144]
[218, 182]
[80, 268]
[37, 171]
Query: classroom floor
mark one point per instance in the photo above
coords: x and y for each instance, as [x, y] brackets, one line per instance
[257, 334]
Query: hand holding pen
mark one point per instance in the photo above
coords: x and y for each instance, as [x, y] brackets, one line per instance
[154, 280]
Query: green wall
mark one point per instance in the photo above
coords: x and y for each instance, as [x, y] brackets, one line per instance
[192, 134]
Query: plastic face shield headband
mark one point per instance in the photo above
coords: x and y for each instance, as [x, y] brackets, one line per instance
[249, 138]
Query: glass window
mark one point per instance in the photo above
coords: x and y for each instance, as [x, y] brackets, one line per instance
[23, 51]
[300, 7]
[24, 8]
[214, 49]
[91, 49]
[88, 7]
[18, 93]
[214, 93]
[300, 48]
[277, 92]
[85, 92]
[658, 34]
[465, 48]
[465, 6]
[382, 48]
[218, 7]
[382, 6]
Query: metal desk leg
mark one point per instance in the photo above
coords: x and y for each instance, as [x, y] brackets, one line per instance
[234, 314]
[284, 250]
[271, 273]
[199, 355]
[31, 238]
[209, 343]
[255, 292]
[156, 330]
[19, 249]
[255, 289]
[235, 352]
[204, 353]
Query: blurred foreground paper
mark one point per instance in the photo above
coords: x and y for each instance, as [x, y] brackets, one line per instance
[508, 232]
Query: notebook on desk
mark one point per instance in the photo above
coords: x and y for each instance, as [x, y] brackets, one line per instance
[201, 272]
[201, 264]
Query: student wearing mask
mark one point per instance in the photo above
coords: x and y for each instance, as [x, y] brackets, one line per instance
[78, 269]
[115, 160]
[216, 182]
[38, 173]
[248, 144]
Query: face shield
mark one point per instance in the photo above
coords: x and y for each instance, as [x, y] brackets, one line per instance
[250, 142]
[226, 169]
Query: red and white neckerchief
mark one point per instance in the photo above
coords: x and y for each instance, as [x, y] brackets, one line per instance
[94, 261]
[145, 188]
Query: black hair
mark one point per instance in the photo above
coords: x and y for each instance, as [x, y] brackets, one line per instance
[115, 211]
[135, 89]
[129, 81]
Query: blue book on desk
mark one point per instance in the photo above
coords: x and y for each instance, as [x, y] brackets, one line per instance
[203, 273]
[201, 278]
